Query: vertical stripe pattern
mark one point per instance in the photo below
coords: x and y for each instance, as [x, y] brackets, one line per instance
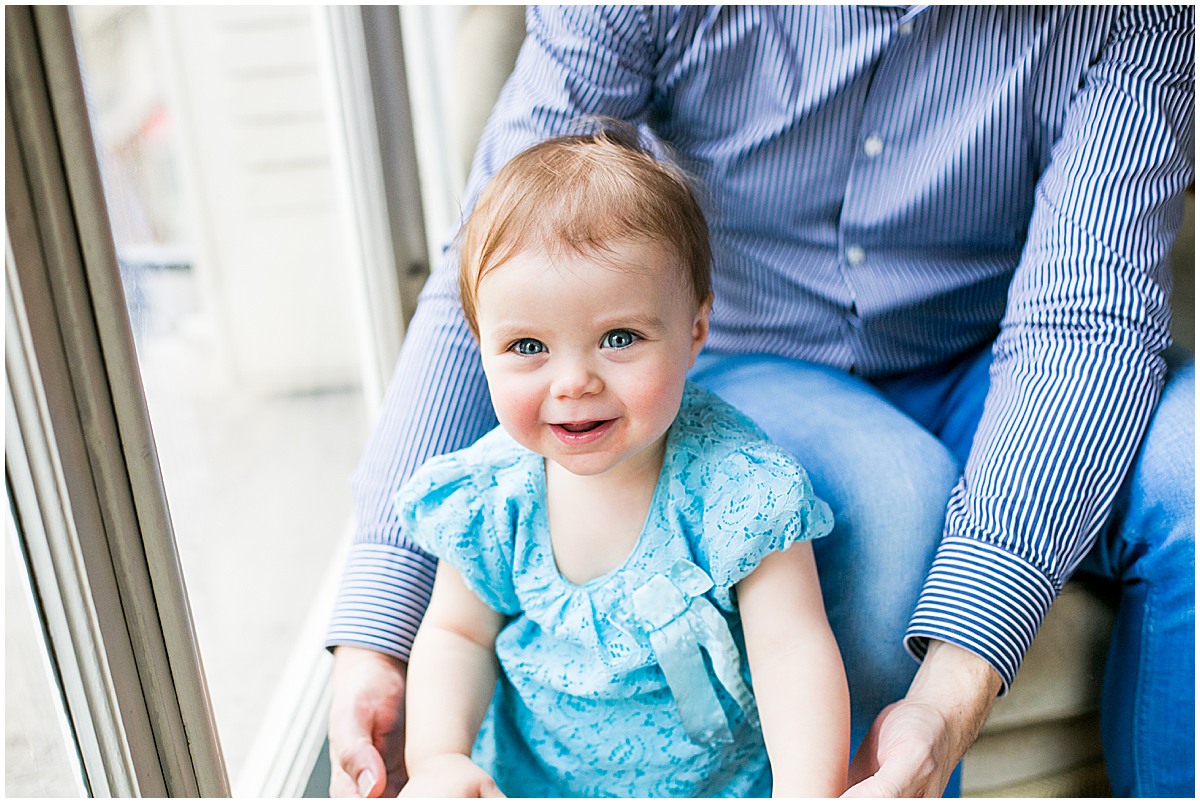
[887, 188]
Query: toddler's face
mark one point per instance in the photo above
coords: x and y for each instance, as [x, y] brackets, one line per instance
[586, 358]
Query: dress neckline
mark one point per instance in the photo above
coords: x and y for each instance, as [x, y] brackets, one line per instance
[542, 521]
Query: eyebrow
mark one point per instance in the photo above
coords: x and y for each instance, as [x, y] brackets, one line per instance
[646, 322]
[512, 331]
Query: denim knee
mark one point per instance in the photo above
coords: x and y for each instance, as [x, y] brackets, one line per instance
[888, 522]
[888, 482]
[1165, 472]
[1148, 714]
[1152, 532]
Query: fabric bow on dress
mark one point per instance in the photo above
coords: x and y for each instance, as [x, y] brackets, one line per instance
[680, 621]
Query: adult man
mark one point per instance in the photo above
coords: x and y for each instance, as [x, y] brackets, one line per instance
[940, 238]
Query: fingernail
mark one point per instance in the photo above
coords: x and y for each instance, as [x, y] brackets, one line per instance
[366, 781]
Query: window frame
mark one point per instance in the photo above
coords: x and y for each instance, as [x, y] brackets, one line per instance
[86, 496]
[82, 472]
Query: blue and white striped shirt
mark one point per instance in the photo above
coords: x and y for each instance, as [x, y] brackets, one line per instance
[888, 188]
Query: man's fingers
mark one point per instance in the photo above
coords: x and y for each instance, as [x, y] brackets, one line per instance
[872, 787]
[865, 762]
[362, 769]
[866, 758]
[489, 789]
[341, 784]
[901, 774]
[898, 776]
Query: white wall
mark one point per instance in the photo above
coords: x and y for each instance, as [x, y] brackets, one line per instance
[246, 98]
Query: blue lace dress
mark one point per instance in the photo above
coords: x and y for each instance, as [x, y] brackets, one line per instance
[635, 683]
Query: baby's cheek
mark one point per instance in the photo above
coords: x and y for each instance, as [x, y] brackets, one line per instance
[659, 397]
[517, 409]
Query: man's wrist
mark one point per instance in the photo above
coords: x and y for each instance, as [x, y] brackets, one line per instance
[346, 654]
[358, 670]
[959, 684]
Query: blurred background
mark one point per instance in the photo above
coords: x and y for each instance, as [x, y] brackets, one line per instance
[220, 133]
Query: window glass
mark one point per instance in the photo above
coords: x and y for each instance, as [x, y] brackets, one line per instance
[38, 756]
[211, 134]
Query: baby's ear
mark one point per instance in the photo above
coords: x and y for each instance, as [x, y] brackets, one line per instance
[700, 326]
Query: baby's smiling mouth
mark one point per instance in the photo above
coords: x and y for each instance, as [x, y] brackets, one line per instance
[579, 434]
[580, 426]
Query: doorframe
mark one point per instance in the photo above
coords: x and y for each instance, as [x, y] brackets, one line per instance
[86, 496]
[80, 461]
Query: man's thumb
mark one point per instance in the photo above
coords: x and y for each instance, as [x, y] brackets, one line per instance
[366, 783]
[363, 763]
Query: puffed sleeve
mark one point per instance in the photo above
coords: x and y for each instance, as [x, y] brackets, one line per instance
[757, 500]
[446, 509]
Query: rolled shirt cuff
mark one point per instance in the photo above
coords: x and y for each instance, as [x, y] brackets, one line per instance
[983, 599]
[382, 598]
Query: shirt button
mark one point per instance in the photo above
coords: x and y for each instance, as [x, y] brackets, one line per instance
[855, 255]
[873, 146]
[906, 29]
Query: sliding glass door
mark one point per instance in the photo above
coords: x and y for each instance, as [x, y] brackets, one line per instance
[209, 266]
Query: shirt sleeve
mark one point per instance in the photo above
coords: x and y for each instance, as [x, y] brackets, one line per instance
[1078, 366]
[575, 62]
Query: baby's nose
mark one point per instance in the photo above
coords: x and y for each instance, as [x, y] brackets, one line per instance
[576, 378]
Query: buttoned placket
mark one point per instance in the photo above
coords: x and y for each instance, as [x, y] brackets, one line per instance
[872, 145]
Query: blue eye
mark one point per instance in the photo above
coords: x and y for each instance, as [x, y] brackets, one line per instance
[528, 347]
[619, 339]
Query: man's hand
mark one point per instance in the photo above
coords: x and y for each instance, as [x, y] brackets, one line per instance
[450, 775]
[366, 724]
[916, 743]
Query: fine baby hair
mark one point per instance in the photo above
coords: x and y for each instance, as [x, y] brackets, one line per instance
[585, 192]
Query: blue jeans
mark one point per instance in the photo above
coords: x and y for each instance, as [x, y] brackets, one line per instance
[885, 456]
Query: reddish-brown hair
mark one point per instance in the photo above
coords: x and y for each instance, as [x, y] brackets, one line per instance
[584, 192]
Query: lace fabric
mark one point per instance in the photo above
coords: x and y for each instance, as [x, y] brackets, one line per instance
[592, 683]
